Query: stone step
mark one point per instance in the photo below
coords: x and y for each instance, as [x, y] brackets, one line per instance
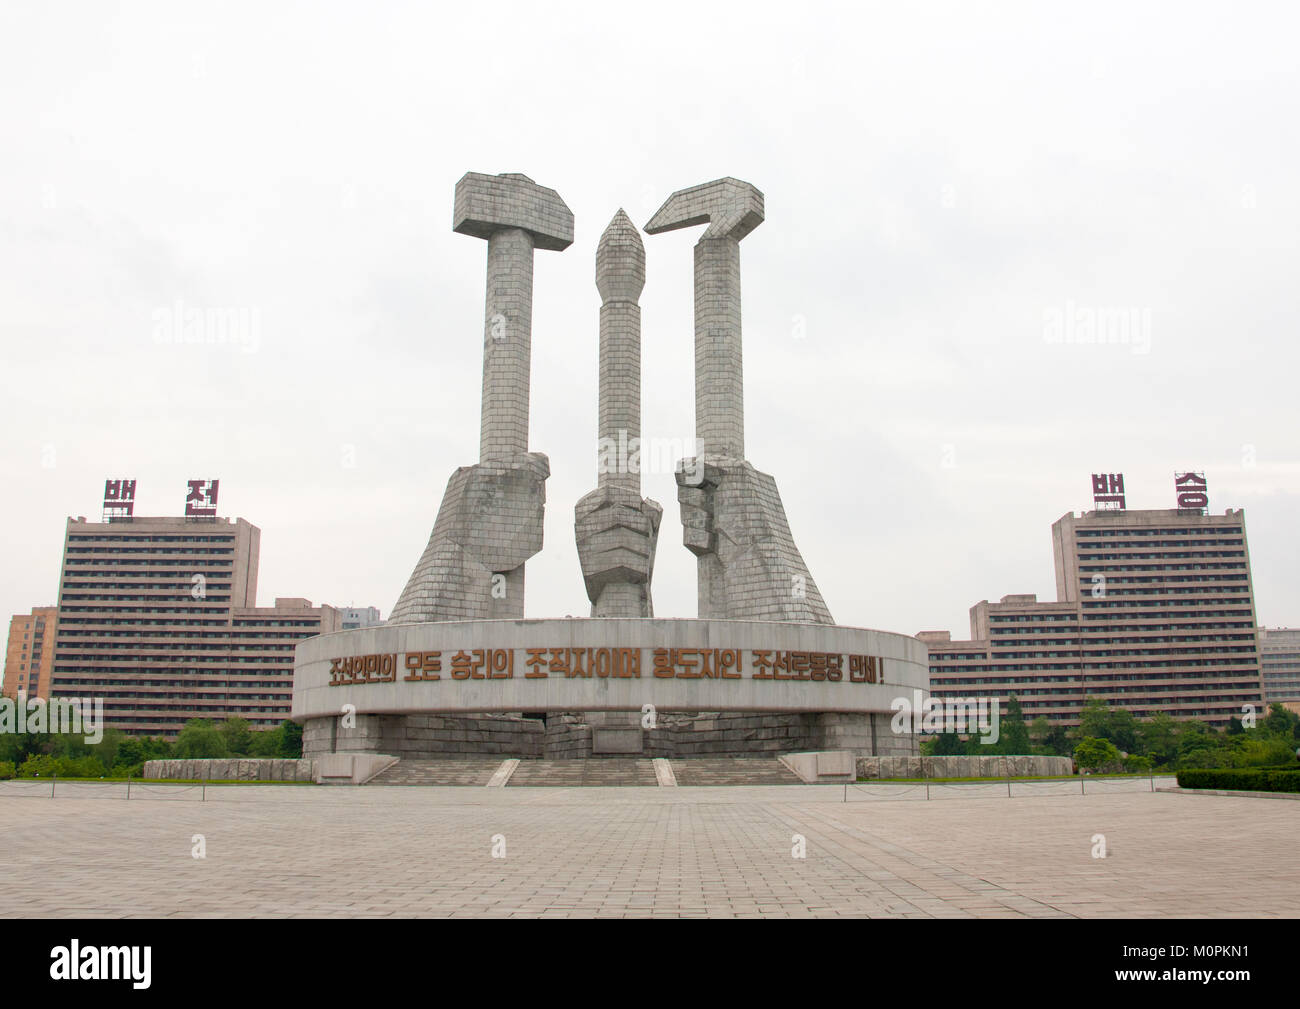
[477, 771]
[598, 772]
[594, 772]
[733, 771]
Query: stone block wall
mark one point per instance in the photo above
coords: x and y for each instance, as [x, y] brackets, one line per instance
[712, 734]
[233, 769]
[428, 736]
[964, 766]
[567, 735]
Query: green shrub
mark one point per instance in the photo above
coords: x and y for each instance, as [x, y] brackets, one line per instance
[1094, 754]
[7, 770]
[1244, 780]
[39, 765]
[45, 765]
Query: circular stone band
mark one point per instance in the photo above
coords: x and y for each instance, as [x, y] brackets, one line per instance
[605, 665]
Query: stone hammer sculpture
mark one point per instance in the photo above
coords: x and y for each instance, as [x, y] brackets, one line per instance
[748, 566]
[490, 521]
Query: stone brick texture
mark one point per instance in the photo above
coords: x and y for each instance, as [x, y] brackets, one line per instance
[490, 522]
[233, 769]
[616, 529]
[964, 766]
[749, 566]
[567, 735]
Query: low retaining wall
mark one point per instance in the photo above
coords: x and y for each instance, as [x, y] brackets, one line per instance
[233, 769]
[821, 768]
[351, 768]
[1013, 766]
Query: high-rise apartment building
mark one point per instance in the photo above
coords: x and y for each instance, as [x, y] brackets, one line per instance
[158, 617]
[358, 616]
[1155, 613]
[1017, 646]
[30, 653]
[1279, 655]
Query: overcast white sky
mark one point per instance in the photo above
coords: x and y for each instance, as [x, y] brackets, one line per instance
[942, 181]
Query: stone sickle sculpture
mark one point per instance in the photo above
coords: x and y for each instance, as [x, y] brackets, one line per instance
[616, 528]
[733, 521]
[490, 521]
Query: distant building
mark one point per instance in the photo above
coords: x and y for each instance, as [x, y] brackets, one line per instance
[353, 617]
[1156, 613]
[30, 653]
[1279, 655]
[158, 617]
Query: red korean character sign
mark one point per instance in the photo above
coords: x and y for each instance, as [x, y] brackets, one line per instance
[119, 499]
[1108, 491]
[1191, 490]
[201, 499]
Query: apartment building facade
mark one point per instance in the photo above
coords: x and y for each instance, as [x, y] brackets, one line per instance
[1279, 655]
[158, 618]
[29, 653]
[1155, 613]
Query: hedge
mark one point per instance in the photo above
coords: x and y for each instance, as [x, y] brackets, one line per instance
[1256, 780]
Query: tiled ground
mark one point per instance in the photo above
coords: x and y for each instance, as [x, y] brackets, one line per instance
[282, 851]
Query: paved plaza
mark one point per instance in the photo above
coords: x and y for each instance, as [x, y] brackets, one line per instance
[277, 851]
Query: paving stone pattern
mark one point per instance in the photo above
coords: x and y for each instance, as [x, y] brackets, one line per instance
[643, 852]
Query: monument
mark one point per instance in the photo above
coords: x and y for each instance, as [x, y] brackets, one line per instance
[616, 528]
[490, 521]
[732, 518]
[458, 671]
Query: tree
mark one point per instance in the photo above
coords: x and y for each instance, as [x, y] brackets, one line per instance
[200, 738]
[1200, 746]
[1013, 734]
[1094, 719]
[130, 753]
[17, 748]
[106, 749]
[1093, 753]
[1057, 741]
[1157, 738]
[266, 743]
[1194, 734]
[1100, 721]
[39, 765]
[237, 735]
[946, 744]
[1281, 722]
[1122, 729]
[291, 741]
